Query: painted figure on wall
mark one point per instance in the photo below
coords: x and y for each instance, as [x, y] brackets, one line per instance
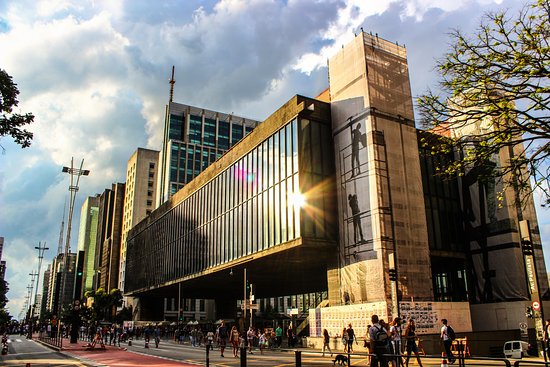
[356, 218]
[357, 139]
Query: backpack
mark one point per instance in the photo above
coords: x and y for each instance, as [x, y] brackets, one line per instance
[381, 336]
[451, 333]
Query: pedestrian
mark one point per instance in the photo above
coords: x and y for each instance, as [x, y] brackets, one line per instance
[210, 339]
[410, 337]
[326, 342]
[351, 338]
[250, 334]
[222, 337]
[547, 339]
[262, 341]
[447, 337]
[291, 336]
[279, 335]
[345, 339]
[234, 340]
[395, 336]
[379, 340]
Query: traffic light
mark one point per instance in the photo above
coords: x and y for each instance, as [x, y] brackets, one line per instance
[248, 286]
[180, 315]
[529, 313]
[527, 247]
[393, 274]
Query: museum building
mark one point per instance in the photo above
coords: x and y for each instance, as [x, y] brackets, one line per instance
[335, 198]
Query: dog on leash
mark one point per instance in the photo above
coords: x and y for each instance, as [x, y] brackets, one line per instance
[341, 359]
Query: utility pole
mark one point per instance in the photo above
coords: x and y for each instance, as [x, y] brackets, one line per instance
[73, 189]
[41, 248]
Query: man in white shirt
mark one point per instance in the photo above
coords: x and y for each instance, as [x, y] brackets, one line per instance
[447, 342]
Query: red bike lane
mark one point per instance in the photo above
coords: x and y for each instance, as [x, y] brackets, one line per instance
[113, 356]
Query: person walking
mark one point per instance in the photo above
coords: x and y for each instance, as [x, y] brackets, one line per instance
[410, 337]
[279, 335]
[222, 337]
[326, 342]
[250, 334]
[546, 339]
[234, 340]
[447, 340]
[345, 339]
[395, 336]
[351, 338]
[379, 340]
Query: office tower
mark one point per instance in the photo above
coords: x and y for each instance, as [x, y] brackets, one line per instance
[141, 186]
[193, 139]
[87, 237]
[109, 232]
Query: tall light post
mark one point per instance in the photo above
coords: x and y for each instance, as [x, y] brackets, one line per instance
[41, 248]
[73, 189]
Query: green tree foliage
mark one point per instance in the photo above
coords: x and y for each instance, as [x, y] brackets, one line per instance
[104, 304]
[11, 123]
[3, 292]
[500, 75]
[4, 315]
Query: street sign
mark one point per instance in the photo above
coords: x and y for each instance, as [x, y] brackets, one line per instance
[292, 311]
[536, 306]
[251, 306]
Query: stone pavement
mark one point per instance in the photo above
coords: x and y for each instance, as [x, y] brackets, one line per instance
[114, 356]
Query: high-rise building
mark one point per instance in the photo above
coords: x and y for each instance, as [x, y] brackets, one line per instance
[109, 232]
[193, 139]
[141, 186]
[87, 237]
[55, 289]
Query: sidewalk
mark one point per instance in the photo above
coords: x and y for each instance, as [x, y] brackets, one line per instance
[113, 356]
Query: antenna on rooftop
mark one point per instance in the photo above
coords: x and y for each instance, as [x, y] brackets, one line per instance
[60, 245]
[172, 82]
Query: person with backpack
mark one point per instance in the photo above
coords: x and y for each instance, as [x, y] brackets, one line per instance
[379, 340]
[447, 337]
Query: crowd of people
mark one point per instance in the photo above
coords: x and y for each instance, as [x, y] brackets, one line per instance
[390, 343]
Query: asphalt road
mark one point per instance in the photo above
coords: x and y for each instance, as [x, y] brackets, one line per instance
[23, 351]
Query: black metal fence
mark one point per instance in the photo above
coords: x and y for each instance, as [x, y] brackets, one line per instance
[53, 339]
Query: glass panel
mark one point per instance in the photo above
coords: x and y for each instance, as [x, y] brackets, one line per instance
[295, 146]
[265, 219]
[276, 158]
[297, 229]
[288, 141]
[223, 135]
[282, 211]
[282, 153]
[277, 214]
[270, 162]
[290, 210]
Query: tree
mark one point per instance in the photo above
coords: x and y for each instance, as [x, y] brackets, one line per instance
[103, 303]
[11, 123]
[499, 81]
[3, 291]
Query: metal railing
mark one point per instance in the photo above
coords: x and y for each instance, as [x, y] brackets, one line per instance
[55, 340]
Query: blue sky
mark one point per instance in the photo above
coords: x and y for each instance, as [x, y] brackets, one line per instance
[95, 74]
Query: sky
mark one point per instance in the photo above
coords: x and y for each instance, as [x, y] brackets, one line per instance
[95, 74]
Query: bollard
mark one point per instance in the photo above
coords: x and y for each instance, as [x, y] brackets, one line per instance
[243, 357]
[207, 355]
[298, 358]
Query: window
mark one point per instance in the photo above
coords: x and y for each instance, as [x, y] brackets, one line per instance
[149, 202]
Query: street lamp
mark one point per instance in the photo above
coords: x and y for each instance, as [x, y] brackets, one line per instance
[41, 248]
[73, 189]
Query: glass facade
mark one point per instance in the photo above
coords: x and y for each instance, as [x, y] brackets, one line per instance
[445, 235]
[250, 206]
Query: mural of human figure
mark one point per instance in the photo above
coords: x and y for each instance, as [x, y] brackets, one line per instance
[355, 212]
[356, 136]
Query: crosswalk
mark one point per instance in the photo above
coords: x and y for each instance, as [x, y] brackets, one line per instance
[16, 340]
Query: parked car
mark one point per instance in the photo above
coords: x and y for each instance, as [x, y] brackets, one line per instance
[516, 349]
